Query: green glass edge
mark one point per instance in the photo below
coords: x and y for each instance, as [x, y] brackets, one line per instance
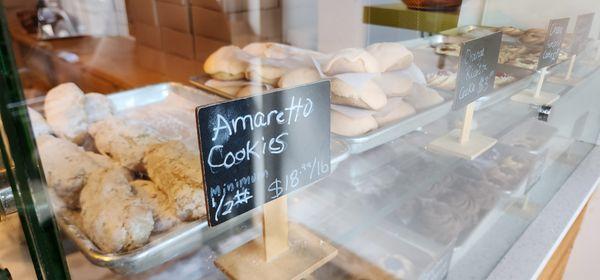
[395, 16]
[28, 186]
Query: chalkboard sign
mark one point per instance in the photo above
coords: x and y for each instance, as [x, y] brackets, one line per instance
[552, 46]
[476, 69]
[583, 26]
[260, 148]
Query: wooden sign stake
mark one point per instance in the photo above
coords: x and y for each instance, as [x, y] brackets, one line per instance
[275, 228]
[285, 251]
[463, 143]
[568, 79]
[537, 97]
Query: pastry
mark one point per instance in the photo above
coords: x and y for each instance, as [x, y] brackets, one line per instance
[393, 84]
[111, 215]
[265, 74]
[369, 96]
[465, 206]
[98, 107]
[423, 98]
[64, 107]
[345, 125]
[450, 49]
[298, 77]
[125, 141]
[534, 36]
[351, 61]
[224, 64]
[525, 62]
[66, 167]
[445, 80]
[503, 79]
[439, 221]
[395, 109]
[177, 172]
[511, 31]
[391, 56]
[38, 123]
[163, 212]
[251, 90]
[229, 87]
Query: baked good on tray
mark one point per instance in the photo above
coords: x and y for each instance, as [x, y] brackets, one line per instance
[224, 64]
[177, 172]
[396, 109]
[111, 214]
[510, 31]
[351, 61]
[394, 85]
[423, 97]
[533, 36]
[298, 77]
[266, 74]
[125, 141]
[64, 108]
[367, 96]
[391, 56]
[67, 167]
[157, 201]
[38, 123]
[346, 125]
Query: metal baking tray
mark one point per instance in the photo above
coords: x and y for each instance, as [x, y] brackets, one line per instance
[382, 135]
[183, 238]
[198, 81]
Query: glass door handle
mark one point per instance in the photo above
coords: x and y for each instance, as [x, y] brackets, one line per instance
[7, 200]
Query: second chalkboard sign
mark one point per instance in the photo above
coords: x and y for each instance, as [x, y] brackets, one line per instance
[552, 46]
[261, 148]
[477, 69]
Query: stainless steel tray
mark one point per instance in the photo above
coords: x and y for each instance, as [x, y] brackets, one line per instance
[198, 81]
[185, 237]
[382, 135]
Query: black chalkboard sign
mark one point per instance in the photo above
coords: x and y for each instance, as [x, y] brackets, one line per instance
[554, 37]
[260, 148]
[583, 26]
[476, 69]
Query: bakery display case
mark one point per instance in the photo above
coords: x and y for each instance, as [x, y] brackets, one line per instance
[107, 166]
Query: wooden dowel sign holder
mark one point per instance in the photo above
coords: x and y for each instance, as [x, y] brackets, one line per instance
[549, 56]
[583, 26]
[286, 158]
[475, 78]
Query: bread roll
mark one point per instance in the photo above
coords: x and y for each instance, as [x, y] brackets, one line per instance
[265, 74]
[98, 107]
[370, 96]
[64, 107]
[224, 64]
[423, 98]
[391, 56]
[298, 77]
[38, 123]
[396, 109]
[394, 85]
[251, 90]
[351, 61]
[267, 49]
[347, 126]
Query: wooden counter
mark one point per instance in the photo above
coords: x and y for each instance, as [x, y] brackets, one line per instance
[105, 64]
